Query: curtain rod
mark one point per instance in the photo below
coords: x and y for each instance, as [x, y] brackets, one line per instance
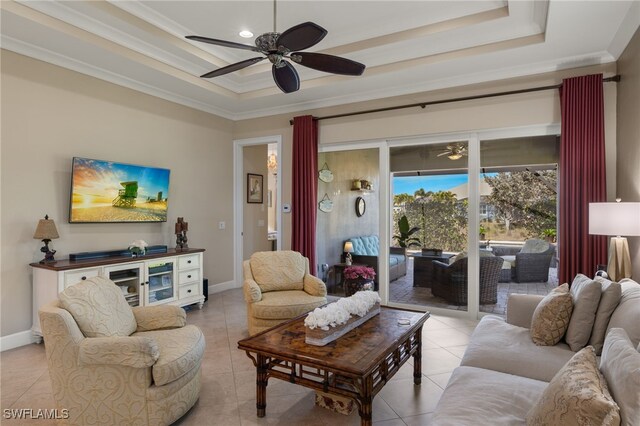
[615, 78]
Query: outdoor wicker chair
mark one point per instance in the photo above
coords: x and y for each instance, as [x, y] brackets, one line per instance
[531, 264]
[451, 281]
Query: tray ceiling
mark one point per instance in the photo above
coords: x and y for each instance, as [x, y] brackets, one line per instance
[407, 46]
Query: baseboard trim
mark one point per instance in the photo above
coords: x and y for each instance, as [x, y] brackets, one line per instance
[220, 287]
[24, 338]
[16, 340]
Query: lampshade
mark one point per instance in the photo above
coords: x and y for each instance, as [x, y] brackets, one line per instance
[348, 247]
[46, 230]
[621, 219]
[272, 162]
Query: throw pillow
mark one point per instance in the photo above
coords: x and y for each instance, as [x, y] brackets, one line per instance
[627, 314]
[577, 395]
[551, 317]
[610, 298]
[586, 295]
[620, 364]
[99, 308]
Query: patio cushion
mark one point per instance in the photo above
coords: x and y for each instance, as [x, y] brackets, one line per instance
[511, 259]
[393, 260]
[366, 245]
[535, 246]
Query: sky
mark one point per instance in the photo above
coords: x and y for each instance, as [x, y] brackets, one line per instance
[410, 184]
[100, 180]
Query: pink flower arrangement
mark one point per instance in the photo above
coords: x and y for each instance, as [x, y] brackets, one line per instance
[355, 272]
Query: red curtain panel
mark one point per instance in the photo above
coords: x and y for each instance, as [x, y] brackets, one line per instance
[304, 188]
[582, 175]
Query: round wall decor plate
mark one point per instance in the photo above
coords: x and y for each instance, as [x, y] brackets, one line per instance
[325, 206]
[325, 175]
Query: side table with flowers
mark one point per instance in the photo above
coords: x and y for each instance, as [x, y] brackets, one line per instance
[358, 278]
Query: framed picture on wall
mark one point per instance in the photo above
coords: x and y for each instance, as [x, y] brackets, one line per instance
[254, 188]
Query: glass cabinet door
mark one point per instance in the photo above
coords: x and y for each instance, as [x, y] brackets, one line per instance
[128, 278]
[161, 280]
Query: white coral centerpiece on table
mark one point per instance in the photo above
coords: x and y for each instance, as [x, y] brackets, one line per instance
[338, 313]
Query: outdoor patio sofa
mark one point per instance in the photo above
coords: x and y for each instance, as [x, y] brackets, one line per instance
[366, 250]
[503, 373]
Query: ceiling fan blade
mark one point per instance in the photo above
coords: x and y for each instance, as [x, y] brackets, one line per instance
[328, 63]
[233, 67]
[444, 153]
[302, 36]
[223, 43]
[286, 78]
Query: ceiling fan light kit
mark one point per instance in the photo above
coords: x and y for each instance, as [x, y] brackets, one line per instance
[280, 48]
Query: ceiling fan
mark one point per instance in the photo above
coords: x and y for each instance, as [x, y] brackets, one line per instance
[280, 48]
[454, 152]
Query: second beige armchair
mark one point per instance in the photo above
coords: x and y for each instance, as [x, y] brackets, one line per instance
[277, 287]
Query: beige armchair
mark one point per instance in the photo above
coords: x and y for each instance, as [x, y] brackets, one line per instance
[111, 364]
[277, 287]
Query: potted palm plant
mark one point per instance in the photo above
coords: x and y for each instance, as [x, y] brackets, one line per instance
[405, 232]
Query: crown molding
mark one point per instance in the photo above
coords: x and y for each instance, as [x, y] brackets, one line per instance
[45, 55]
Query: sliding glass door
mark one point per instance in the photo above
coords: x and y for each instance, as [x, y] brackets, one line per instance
[430, 189]
[518, 220]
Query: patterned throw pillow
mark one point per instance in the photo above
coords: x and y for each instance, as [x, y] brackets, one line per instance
[551, 317]
[577, 395]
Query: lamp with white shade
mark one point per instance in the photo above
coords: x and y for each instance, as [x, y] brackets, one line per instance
[618, 220]
[348, 248]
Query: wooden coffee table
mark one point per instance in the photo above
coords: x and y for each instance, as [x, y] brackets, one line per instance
[356, 366]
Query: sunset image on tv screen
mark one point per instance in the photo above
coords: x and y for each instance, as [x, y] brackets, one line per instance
[104, 191]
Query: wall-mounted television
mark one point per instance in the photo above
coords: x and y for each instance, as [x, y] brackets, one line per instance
[110, 192]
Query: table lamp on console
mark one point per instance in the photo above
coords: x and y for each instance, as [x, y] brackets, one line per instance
[348, 248]
[46, 231]
[618, 220]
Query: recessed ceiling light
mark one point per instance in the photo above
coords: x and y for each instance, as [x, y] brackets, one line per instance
[245, 34]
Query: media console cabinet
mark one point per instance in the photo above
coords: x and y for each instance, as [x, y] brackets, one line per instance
[173, 277]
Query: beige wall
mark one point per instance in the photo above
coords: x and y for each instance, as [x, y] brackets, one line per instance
[629, 135]
[49, 115]
[342, 223]
[255, 215]
[538, 108]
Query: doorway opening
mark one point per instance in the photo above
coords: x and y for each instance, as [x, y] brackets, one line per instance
[257, 189]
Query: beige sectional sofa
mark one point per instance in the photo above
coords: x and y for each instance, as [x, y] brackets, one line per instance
[503, 373]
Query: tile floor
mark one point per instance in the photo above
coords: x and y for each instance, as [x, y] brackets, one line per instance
[227, 397]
